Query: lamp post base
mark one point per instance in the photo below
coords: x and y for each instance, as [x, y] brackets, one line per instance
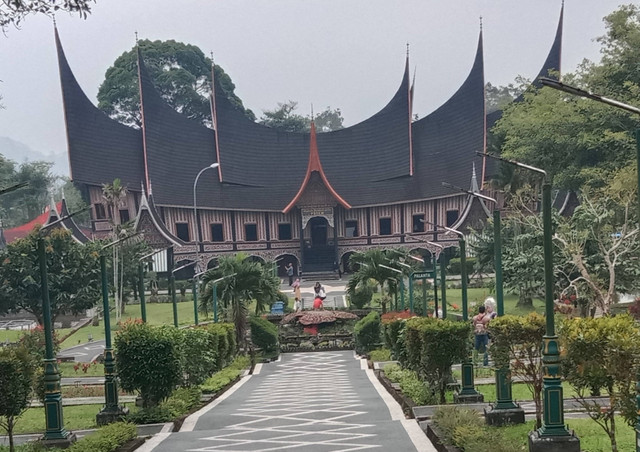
[505, 416]
[106, 416]
[460, 397]
[60, 443]
[567, 443]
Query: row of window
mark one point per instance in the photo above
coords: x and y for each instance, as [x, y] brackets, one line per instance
[101, 214]
[285, 232]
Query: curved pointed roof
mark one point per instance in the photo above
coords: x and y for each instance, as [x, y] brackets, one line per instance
[176, 148]
[100, 149]
[315, 166]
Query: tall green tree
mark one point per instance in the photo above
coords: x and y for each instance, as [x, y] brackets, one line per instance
[73, 278]
[245, 280]
[284, 118]
[579, 141]
[181, 73]
[17, 371]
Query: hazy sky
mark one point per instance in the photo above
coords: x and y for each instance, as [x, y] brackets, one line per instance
[340, 53]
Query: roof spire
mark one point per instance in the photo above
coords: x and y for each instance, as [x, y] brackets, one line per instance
[480, 23]
[53, 17]
[312, 117]
[407, 49]
[474, 179]
[136, 33]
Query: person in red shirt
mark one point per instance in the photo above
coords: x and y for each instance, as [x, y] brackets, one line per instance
[317, 303]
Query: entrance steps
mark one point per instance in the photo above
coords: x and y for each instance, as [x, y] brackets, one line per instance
[320, 276]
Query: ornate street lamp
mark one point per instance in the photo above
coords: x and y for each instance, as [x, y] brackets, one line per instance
[55, 434]
[198, 230]
[112, 411]
[505, 410]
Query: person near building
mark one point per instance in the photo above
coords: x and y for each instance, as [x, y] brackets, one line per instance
[481, 333]
[289, 269]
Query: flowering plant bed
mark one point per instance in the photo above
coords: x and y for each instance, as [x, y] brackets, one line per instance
[307, 318]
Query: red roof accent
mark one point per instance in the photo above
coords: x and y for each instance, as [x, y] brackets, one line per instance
[22, 231]
[315, 165]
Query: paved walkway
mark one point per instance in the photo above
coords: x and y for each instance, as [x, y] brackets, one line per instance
[316, 402]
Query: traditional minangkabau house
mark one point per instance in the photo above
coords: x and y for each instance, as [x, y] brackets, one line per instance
[307, 198]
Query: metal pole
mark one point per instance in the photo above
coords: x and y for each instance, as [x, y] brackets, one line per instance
[111, 411]
[411, 293]
[172, 280]
[143, 303]
[55, 430]
[435, 287]
[553, 415]
[463, 275]
[402, 293]
[504, 397]
[194, 294]
[443, 282]
[215, 303]
[497, 250]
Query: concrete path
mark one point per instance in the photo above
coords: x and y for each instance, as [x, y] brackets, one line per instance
[316, 402]
[84, 352]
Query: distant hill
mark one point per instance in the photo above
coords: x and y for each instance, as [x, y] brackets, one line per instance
[20, 152]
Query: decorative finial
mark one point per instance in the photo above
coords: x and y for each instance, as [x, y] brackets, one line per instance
[54, 20]
[211, 53]
[136, 33]
[312, 117]
[480, 23]
[407, 49]
[563, 3]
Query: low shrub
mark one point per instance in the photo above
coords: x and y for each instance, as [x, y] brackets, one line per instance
[224, 340]
[367, 332]
[151, 415]
[455, 266]
[380, 354]
[107, 439]
[361, 297]
[466, 429]
[264, 334]
[411, 384]
[148, 361]
[198, 357]
[392, 332]
[225, 376]
[181, 402]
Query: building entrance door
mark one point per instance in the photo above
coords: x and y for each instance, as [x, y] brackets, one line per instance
[318, 231]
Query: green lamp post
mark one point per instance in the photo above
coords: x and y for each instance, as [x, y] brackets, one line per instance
[55, 434]
[173, 291]
[400, 279]
[112, 411]
[435, 279]
[504, 411]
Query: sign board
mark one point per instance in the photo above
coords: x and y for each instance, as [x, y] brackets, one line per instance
[423, 275]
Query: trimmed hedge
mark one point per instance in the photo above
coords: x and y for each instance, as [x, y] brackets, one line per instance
[264, 334]
[367, 332]
[394, 337]
[361, 297]
[432, 346]
[223, 339]
[466, 429]
[198, 357]
[455, 266]
[107, 439]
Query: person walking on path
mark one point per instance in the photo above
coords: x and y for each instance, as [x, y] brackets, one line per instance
[480, 322]
[289, 269]
[319, 291]
[297, 293]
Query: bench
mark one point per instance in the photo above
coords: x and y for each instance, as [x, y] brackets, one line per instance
[277, 308]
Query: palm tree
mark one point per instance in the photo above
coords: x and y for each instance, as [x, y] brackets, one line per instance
[250, 280]
[112, 196]
[368, 264]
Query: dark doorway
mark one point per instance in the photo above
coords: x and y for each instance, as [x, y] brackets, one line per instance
[318, 231]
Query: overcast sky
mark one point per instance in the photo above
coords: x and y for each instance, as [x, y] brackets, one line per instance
[347, 54]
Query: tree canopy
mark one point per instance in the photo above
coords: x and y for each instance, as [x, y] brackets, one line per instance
[74, 275]
[285, 119]
[15, 11]
[21, 206]
[580, 141]
[181, 73]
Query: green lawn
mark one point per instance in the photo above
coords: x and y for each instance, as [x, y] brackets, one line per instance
[157, 314]
[476, 297]
[14, 335]
[592, 436]
[78, 417]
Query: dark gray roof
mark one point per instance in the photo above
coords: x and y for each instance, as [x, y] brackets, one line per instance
[176, 149]
[100, 149]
